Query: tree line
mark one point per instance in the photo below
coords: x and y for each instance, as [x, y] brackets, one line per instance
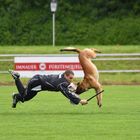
[83, 22]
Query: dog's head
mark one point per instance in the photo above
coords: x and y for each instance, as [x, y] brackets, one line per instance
[80, 89]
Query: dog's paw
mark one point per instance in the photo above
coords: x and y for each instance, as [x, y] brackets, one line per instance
[99, 104]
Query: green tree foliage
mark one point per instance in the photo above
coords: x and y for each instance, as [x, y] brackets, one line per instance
[29, 22]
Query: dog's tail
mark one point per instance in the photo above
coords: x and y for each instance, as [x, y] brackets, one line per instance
[71, 49]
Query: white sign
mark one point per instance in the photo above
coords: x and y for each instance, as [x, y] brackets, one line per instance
[30, 66]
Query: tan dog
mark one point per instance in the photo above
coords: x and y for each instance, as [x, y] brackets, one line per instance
[91, 74]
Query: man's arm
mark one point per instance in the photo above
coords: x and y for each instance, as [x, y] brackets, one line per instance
[72, 96]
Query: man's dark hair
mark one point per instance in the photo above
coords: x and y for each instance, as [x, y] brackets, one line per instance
[68, 72]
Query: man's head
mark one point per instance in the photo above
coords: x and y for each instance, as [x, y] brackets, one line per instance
[69, 75]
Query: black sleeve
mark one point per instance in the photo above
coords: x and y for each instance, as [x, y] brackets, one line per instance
[72, 96]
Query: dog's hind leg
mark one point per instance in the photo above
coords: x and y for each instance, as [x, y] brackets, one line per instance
[99, 97]
[98, 88]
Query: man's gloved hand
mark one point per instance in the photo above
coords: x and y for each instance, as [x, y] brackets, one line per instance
[84, 102]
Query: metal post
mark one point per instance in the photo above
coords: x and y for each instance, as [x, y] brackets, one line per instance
[53, 6]
[53, 20]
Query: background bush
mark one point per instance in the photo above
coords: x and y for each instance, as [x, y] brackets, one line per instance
[84, 22]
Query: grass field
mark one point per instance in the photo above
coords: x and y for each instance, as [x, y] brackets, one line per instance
[49, 116]
[105, 78]
[55, 50]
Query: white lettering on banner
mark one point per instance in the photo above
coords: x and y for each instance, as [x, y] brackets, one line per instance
[64, 66]
[26, 67]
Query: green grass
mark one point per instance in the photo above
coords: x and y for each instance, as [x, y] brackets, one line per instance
[49, 116]
[55, 50]
[120, 78]
[105, 79]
